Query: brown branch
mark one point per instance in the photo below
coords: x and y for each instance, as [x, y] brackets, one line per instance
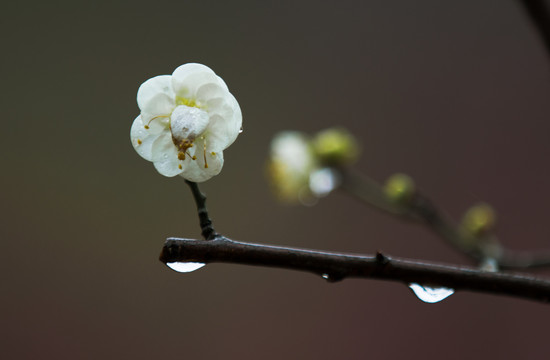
[336, 267]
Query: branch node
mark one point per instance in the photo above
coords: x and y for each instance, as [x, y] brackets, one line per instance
[381, 259]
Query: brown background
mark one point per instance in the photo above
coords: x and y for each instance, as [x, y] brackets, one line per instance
[455, 93]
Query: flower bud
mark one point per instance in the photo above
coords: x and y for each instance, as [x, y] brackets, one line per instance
[289, 167]
[400, 188]
[335, 146]
[479, 220]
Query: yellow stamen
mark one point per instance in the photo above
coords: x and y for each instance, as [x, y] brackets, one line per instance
[187, 102]
[156, 117]
[182, 145]
[213, 153]
[139, 141]
[179, 166]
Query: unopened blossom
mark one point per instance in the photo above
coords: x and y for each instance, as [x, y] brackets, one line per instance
[187, 119]
[335, 146]
[296, 172]
[290, 164]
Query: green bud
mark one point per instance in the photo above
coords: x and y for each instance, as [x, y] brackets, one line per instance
[400, 188]
[335, 146]
[479, 220]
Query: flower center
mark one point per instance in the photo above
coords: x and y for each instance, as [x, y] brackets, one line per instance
[186, 124]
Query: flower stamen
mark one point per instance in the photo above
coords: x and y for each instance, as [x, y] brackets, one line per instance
[156, 117]
[204, 153]
[188, 102]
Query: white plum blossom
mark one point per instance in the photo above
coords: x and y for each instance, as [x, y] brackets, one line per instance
[187, 119]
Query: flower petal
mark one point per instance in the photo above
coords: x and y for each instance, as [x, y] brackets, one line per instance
[225, 124]
[165, 156]
[156, 96]
[210, 91]
[197, 170]
[143, 139]
[188, 78]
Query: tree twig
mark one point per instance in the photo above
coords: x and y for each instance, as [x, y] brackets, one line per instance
[422, 210]
[336, 267]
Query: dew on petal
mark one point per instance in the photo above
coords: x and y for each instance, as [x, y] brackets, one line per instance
[184, 267]
[429, 294]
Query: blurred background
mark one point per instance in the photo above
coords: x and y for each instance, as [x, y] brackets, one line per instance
[454, 93]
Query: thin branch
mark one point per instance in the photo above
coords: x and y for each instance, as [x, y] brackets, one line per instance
[207, 229]
[422, 210]
[539, 13]
[518, 259]
[336, 267]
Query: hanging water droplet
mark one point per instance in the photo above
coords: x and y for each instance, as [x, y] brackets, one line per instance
[184, 267]
[429, 294]
[241, 130]
[325, 276]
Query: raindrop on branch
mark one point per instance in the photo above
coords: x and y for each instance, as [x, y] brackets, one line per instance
[184, 267]
[429, 294]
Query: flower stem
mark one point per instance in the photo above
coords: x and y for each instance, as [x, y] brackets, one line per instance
[207, 229]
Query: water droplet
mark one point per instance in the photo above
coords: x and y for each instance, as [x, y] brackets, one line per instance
[241, 130]
[326, 276]
[323, 181]
[165, 156]
[429, 294]
[184, 267]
